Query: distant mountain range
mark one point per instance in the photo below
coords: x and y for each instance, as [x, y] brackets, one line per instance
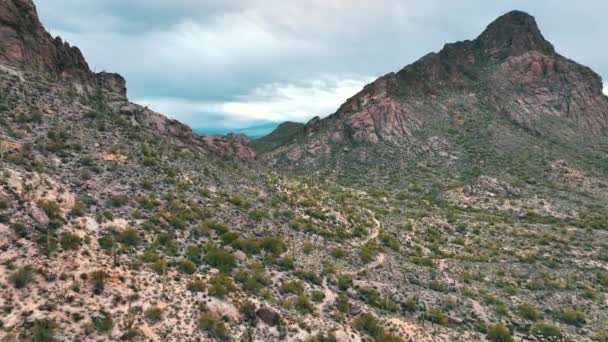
[252, 132]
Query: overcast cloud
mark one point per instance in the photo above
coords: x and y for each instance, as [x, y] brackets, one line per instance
[235, 63]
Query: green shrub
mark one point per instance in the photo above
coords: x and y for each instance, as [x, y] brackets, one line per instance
[438, 286]
[197, 286]
[436, 317]
[303, 305]
[344, 282]
[51, 208]
[214, 326]
[216, 226]
[317, 214]
[99, 278]
[153, 314]
[367, 323]
[159, 266]
[423, 261]
[47, 243]
[468, 277]
[338, 253]
[389, 241]
[310, 276]
[292, 287]
[253, 279]
[229, 237]
[220, 259]
[602, 278]
[286, 262]
[259, 214]
[102, 322]
[318, 296]
[70, 241]
[546, 331]
[323, 337]
[200, 231]
[129, 237]
[194, 253]
[273, 244]
[79, 209]
[149, 257]
[43, 331]
[369, 252]
[236, 200]
[118, 201]
[165, 240]
[342, 303]
[221, 285]
[499, 333]
[186, 266]
[19, 229]
[529, 311]
[373, 298]
[21, 277]
[573, 317]
[602, 337]
[308, 248]
[107, 241]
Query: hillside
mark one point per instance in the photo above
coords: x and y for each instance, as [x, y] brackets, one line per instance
[455, 216]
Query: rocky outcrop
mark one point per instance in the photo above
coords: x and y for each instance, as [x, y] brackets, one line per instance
[230, 145]
[313, 125]
[268, 316]
[24, 42]
[114, 84]
[533, 87]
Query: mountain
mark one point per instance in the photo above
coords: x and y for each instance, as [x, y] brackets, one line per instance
[510, 72]
[252, 132]
[460, 199]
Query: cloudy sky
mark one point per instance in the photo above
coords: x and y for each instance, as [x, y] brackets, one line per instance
[217, 64]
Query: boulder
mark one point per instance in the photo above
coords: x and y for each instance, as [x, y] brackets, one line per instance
[269, 316]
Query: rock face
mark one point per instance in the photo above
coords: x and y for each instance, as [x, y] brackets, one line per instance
[554, 88]
[26, 45]
[231, 144]
[510, 70]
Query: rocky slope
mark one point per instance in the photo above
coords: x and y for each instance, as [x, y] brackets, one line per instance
[28, 48]
[509, 71]
[117, 223]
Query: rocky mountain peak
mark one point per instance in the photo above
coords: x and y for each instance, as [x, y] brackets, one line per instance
[512, 34]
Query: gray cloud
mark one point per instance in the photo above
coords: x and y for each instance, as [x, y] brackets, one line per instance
[238, 62]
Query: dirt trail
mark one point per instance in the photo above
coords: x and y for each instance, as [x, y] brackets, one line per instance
[379, 259]
[330, 295]
[374, 233]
